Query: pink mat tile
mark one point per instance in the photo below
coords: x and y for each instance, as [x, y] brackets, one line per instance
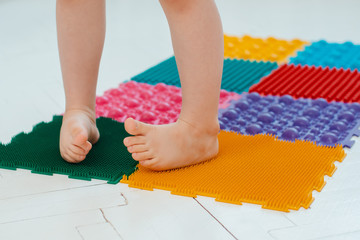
[159, 104]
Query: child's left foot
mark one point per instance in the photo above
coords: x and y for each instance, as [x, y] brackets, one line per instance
[170, 146]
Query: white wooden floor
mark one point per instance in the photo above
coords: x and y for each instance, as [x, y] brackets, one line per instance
[43, 207]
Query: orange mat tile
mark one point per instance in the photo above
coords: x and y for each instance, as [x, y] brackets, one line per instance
[258, 169]
[269, 49]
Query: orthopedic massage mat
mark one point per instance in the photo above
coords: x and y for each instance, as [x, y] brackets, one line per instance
[159, 104]
[311, 82]
[256, 169]
[290, 119]
[340, 55]
[238, 75]
[39, 151]
[269, 49]
[294, 120]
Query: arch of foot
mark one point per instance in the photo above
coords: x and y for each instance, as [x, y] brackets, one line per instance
[153, 104]
[289, 119]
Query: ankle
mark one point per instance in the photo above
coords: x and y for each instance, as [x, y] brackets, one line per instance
[89, 112]
[207, 127]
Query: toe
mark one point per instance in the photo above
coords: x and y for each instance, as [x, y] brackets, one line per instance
[155, 164]
[142, 156]
[69, 157]
[77, 150]
[81, 140]
[87, 147]
[78, 157]
[138, 148]
[129, 141]
[135, 127]
[151, 164]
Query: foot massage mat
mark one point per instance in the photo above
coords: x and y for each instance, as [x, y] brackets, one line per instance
[260, 169]
[340, 55]
[238, 75]
[269, 49]
[311, 82]
[289, 119]
[39, 151]
[159, 104]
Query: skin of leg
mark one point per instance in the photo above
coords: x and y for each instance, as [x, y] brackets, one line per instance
[197, 39]
[81, 34]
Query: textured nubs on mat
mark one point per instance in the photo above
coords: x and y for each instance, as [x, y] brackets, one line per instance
[159, 104]
[39, 151]
[238, 75]
[269, 49]
[289, 119]
[260, 169]
[311, 82]
[340, 55]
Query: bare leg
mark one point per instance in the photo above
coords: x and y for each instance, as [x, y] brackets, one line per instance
[81, 33]
[197, 39]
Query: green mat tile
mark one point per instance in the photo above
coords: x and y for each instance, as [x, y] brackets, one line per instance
[39, 151]
[238, 75]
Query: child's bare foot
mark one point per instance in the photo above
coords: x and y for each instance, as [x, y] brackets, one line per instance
[78, 133]
[170, 146]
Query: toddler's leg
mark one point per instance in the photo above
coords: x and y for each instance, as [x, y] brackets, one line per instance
[81, 33]
[197, 39]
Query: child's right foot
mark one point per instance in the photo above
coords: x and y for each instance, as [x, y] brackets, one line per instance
[78, 133]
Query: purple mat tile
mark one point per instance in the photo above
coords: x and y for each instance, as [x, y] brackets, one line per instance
[289, 119]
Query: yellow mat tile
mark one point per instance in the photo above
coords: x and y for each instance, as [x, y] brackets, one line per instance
[256, 169]
[269, 49]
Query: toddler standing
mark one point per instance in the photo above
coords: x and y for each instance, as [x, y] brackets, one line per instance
[197, 40]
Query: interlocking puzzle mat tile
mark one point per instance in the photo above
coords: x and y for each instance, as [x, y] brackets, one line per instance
[159, 104]
[269, 49]
[345, 55]
[39, 151]
[238, 75]
[289, 119]
[260, 169]
[311, 82]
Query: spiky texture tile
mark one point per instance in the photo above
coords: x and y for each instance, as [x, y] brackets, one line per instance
[238, 75]
[256, 169]
[311, 82]
[159, 104]
[289, 119]
[39, 151]
[340, 55]
[261, 49]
